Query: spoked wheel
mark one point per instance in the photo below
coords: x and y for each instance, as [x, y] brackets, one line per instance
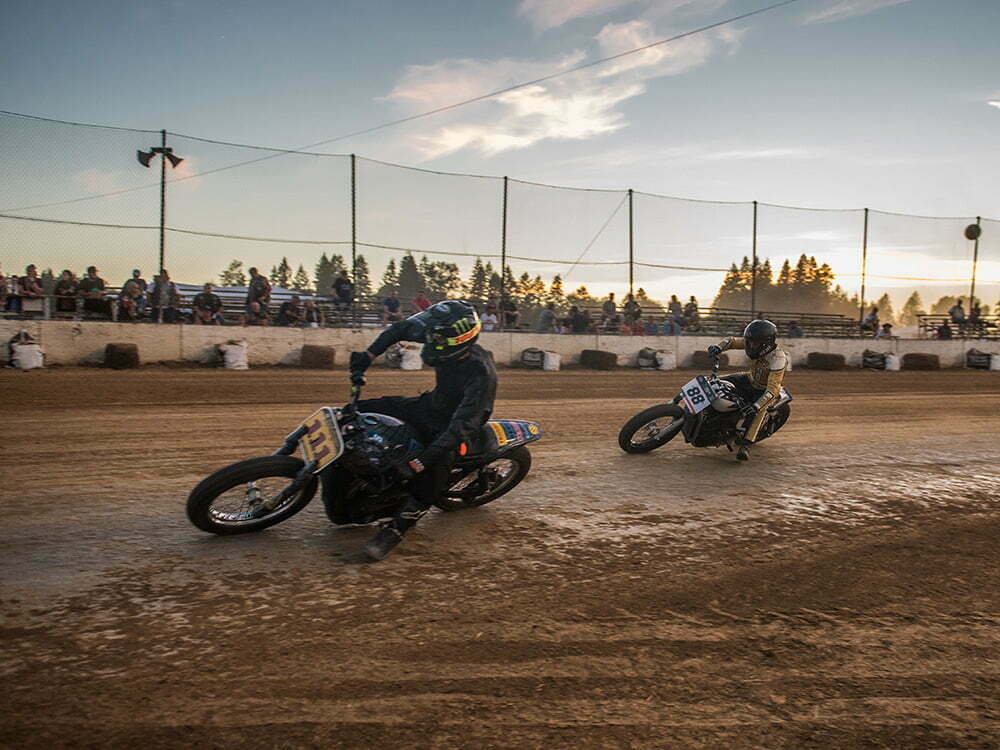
[651, 428]
[245, 496]
[487, 483]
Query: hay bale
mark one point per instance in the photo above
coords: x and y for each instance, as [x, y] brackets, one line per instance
[315, 357]
[825, 361]
[121, 356]
[702, 360]
[918, 361]
[595, 359]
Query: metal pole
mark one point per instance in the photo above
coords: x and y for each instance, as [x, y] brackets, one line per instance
[864, 271]
[503, 248]
[631, 247]
[354, 240]
[975, 261]
[163, 192]
[753, 275]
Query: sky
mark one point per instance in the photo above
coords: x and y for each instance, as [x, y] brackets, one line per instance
[834, 104]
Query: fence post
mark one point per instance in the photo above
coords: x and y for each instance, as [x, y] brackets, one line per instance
[503, 249]
[864, 270]
[975, 261]
[753, 267]
[354, 239]
[631, 247]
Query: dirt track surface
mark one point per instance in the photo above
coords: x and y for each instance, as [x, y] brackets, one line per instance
[840, 591]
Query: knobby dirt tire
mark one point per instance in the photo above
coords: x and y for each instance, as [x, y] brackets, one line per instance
[200, 500]
[645, 417]
[521, 457]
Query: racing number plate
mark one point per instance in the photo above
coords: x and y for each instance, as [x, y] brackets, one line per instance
[698, 394]
[322, 442]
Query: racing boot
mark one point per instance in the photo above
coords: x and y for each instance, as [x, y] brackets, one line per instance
[392, 532]
[743, 452]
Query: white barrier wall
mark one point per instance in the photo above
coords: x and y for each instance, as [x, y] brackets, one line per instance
[73, 343]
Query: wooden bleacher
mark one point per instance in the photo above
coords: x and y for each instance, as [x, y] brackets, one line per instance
[987, 327]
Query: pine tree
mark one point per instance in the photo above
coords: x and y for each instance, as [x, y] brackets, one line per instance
[390, 279]
[323, 276]
[556, 295]
[885, 312]
[913, 307]
[477, 288]
[362, 277]
[943, 305]
[281, 276]
[300, 282]
[233, 275]
[411, 280]
[48, 279]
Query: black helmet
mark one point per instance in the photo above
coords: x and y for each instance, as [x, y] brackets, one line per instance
[759, 338]
[380, 443]
[451, 327]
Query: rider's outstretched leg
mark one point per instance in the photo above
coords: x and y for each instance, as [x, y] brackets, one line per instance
[425, 488]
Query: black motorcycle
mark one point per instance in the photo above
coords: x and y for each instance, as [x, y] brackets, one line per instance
[355, 454]
[706, 412]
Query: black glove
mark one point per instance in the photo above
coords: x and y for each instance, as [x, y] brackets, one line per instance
[410, 469]
[360, 361]
[749, 411]
[357, 379]
[714, 350]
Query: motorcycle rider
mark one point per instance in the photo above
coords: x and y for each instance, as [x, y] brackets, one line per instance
[761, 387]
[461, 402]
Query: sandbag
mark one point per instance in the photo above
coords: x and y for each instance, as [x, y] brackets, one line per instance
[551, 362]
[871, 360]
[646, 359]
[121, 356]
[410, 359]
[921, 361]
[27, 356]
[892, 363]
[234, 355]
[825, 361]
[995, 361]
[666, 361]
[533, 358]
[977, 360]
[317, 357]
[595, 359]
[702, 360]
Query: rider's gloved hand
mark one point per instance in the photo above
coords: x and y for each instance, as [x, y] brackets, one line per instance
[714, 350]
[749, 411]
[410, 469]
[357, 378]
[360, 361]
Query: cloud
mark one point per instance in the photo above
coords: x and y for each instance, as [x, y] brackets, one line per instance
[97, 181]
[842, 9]
[572, 107]
[548, 14]
[994, 103]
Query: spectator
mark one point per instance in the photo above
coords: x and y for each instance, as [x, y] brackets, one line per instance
[143, 288]
[343, 291]
[290, 312]
[691, 308]
[164, 298]
[256, 315]
[258, 291]
[635, 327]
[632, 310]
[674, 307]
[312, 316]
[207, 307]
[65, 292]
[795, 330]
[128, 302]
[957, 313]
[490, 321]
[32, 290]
[11, 293]
[419, 303]
[975, 321]
[870, 322]
[493, 307]
[91, 287]
[673, 324]
[608, 309]
[944, 330]
[611, 324]
[546, 321]
[590, 325]
[508, 312]
[578, 322]
[651, 329]
[391, 308]
[885, 332]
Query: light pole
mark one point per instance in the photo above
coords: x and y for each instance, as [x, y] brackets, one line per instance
[972, 232]
[145, 157]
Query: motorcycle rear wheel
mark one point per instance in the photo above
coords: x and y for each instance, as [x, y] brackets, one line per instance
[217, 507]
[508, 470]
[651, 428]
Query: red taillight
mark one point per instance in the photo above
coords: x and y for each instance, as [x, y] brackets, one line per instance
[463, 449]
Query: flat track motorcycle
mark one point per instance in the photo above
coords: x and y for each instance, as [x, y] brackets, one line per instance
[706, 412]
[355, 454]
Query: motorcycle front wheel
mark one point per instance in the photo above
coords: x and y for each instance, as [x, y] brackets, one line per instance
[485, 484]
[651, 428]
[235, 499]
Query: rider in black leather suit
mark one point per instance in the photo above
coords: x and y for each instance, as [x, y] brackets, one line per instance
[452, 413]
